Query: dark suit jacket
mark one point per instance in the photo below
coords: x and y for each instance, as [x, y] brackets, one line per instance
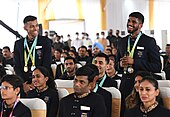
[107, 98]
[146, 56]
[108, 82]
[42, 56]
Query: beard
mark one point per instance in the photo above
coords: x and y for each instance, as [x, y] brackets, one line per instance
[133, 30]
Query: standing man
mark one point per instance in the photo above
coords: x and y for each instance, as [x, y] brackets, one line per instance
[31, 51]
[136, 52]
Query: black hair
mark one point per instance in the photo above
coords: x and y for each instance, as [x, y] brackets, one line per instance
[137, 15]
[6, 47]
[83, 47]
[50, 83]
[143, 74]
[69, 57]
[103, 55]
[13, 80]
[59, 50]
[73, 48]
[86, 70]
[152, 80]
[29, 18]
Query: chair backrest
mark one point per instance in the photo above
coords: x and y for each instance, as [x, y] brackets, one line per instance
[118, 83]
[62, 92]
[67, 84]
[36, 105]
[165, 95]
[64, 83]
[116, 100]
[164, 83]
[162, 74]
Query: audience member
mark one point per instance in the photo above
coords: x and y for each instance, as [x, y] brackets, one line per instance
[70, 69]
[97, 48]
[95, 88]
[2, 69]
[45, 89]
[77, 42]
[110, 69]
[112, 38]
[101, 60]
[133, 99]
[10, 106]
[149, 107]
[83, 102]
[32, 51]
[136, 52]
[7, 55]
[103, 40]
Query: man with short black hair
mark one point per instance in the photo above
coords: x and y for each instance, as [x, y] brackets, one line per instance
[31, 51]
[136, 52]
[83, 102]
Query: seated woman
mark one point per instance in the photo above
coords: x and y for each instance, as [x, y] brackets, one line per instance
[149, 106]
[45, 89]
[10, 105]
[133, 99]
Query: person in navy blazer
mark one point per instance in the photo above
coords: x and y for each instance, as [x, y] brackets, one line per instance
[136, 52]
[40, 53]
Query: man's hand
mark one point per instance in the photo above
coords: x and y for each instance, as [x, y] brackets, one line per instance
[126, 60]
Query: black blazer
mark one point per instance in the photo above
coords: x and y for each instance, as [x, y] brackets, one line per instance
[43, 56]
[146, 56]
[107, 98]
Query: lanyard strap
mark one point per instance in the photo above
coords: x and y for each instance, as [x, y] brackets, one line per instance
[32, 57]
[131, 53]
[96, 88]
[10, 115]
[103, 79]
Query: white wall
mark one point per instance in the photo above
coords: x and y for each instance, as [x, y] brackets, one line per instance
[12, 13]
[118, 10]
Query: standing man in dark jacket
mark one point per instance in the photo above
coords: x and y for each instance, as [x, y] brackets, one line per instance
[136, 52]
[31, 51]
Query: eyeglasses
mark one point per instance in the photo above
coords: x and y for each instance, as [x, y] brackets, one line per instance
[5, 87]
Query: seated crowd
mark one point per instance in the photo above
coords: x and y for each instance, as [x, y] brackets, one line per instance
[91, 66]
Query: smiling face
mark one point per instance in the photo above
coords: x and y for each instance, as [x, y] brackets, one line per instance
[147, 92]
[134, 25]
[110, 67]
[32, 29]
[101, 63]
[38, 79]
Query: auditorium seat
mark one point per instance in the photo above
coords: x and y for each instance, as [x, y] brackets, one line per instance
[67, 84]
[164, 83]
[116, 100]
[36, 105]
[62, 92]
[165, 94]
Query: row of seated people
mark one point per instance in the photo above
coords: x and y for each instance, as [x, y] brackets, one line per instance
[84, 84]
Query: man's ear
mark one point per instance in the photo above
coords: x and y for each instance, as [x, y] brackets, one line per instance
[25, 27]
[17, 90]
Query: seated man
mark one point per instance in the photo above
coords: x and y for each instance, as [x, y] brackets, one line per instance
[101, 60]
[95, 88]
[82, 102]
[70, 69]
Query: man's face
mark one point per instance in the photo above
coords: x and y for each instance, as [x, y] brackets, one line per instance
[82, 52]
[168, 50]
[133, 25]
[81, 85]
[70, 65]
[32, 28]
[6, 53]
[96, 50]
[100, 62]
